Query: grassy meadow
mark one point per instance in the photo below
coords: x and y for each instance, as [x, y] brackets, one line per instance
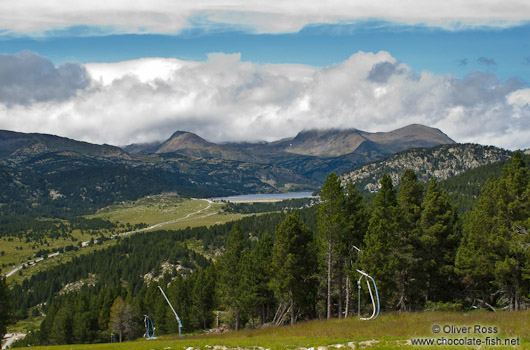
[168, 213]
[162, 212]
[388, 331]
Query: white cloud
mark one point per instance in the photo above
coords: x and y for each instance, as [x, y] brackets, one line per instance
[226, 99]
[169, 16]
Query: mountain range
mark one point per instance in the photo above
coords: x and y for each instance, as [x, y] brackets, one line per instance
[43, 171]
[317, 143]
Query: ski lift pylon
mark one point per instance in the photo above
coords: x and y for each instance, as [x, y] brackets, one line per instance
[375, 302]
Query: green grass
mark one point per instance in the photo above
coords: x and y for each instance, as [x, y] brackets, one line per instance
[169, 213]
[389, 331]
[172, 213]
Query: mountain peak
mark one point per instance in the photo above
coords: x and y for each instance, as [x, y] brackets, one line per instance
[336, 142]
[183, 140]
[326, 143]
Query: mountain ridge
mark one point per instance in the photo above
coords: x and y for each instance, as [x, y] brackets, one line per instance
[442, 162]
[325, 143]
[45, 173]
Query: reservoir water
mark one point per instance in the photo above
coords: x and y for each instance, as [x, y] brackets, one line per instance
[259, 197]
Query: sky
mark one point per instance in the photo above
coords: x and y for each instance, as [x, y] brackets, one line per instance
[122, 72]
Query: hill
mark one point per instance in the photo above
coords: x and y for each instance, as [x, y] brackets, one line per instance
[320, 143]
[49, 175]
[443, 162]
[17, 145]
[333, 143]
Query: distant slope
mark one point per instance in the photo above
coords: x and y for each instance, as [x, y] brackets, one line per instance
[326, 143]
[182, 140]
[332, 143]
[411, 136]
[443, 162]
[46, 174]
[318, 143]
[15, 144]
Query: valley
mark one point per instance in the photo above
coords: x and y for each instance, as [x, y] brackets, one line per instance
[23, 258]
[87, 226]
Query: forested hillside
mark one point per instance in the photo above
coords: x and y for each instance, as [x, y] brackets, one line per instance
[442, 162]
[298, 265]
[55, 177]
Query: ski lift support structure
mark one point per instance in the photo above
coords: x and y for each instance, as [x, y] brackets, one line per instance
[171, 306]
[376, 305]
[149, 328]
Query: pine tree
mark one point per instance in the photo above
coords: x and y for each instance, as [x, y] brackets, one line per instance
[331, 227]
[410, 275]
[293, 263]
[493, 258]
[439, 241]
[203, 296]
[409, 198]
[512, 229]
[230, 272]
[352, 240]
[380, 257]
[262, 263]
[61, 331]
[121, 318]
[6, 308]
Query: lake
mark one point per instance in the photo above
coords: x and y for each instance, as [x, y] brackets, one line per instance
[265, 197]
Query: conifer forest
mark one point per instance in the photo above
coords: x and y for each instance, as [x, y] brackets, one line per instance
[288, 266]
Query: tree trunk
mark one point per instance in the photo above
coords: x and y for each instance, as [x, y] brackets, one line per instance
[330, 259]
[120, 335]
[238, 318]
[292, 312]
[517, 298]
[217, 320]
[340, 291]
[347, 311]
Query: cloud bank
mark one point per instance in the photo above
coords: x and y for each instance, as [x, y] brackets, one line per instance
[169, 16]
[227, 99]
[26, 78]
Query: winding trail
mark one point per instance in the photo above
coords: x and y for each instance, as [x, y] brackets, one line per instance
[161, 224]
[125, 234]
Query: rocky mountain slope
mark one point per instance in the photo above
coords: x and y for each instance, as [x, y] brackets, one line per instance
[333, 143]
[44, 171]
[317, 143]
[442, 161]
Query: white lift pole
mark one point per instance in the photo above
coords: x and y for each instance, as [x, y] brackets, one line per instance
[376, 306]
[171, 306]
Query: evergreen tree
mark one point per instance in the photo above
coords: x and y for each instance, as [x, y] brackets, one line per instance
[121, 318]
[439, 241]
[493, 258]
[331, 227]
[61, 331]
[203, 296]
[293, 263]
[6, 308]
[262, 265]
[380, 257]
[410, 274]
[409, 198]
[230, 281]
[84, 324]
[352, 240]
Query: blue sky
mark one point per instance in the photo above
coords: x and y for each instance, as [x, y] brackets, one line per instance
[504, 51]
[253, 70]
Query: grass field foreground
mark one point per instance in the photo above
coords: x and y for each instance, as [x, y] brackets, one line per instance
[389, 331]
